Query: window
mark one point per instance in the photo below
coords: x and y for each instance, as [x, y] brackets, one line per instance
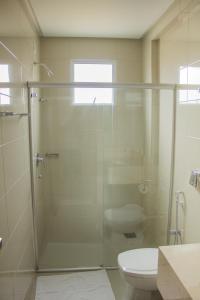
[189, 75]
[4, 92]
[93, 72]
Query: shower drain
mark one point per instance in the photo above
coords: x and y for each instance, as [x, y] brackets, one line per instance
[130, 235]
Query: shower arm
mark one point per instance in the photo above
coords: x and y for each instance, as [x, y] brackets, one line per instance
[48, 70]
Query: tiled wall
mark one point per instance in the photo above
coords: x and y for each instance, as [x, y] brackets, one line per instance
[17, 260]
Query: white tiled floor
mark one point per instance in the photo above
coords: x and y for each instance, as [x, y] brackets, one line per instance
[115, 282]
[75, 286]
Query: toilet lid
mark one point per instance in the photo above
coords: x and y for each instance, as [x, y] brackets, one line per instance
[139, 261]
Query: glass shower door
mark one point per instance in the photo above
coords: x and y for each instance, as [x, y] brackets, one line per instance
[102, 180]
[72, 178]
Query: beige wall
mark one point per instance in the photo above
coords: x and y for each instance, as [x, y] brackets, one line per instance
[58, 53]
[17, 261]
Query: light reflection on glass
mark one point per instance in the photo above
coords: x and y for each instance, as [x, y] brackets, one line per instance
[189, 75]
[4, 92]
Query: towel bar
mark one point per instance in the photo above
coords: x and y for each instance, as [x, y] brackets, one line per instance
[12, 114]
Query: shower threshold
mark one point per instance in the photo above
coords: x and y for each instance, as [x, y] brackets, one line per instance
[60, 270]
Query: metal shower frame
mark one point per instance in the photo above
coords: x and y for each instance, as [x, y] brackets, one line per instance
[144, 86]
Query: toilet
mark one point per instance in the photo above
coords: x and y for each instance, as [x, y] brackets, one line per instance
[139, 269]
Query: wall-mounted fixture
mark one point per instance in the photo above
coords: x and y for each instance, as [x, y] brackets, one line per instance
[143, 187]
[177, 232]
[54, 155]
[47, 69]
[195, 179]
[12, 114]
[42, 100]
[40, 159]
[33, 95]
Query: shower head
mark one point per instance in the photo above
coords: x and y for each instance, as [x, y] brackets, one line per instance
[48, 70]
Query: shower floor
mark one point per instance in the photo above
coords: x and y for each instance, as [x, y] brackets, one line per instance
[77, 255]
[71, 255]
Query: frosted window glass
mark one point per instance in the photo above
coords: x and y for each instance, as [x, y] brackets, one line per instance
[4, 92]
[86, 72]
[189, 75]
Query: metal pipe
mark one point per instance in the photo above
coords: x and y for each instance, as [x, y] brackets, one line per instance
[52, 155]
[39, 84]
[172, 168]
[159, 86]
[35, 239]
[99, 85]
[11, 85]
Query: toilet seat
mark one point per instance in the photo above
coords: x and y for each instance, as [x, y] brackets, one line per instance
[139, 262]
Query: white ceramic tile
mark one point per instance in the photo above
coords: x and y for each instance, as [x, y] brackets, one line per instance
[17, 199]
[85, 285]
[14, 161]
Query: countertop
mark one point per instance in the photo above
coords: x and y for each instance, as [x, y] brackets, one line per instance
[185, 262]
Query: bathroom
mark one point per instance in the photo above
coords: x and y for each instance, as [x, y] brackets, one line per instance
[99, 148]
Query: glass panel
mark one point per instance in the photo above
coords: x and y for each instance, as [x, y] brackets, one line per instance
[93, 96]
[136, 171]
[72, 138]
[102, 181]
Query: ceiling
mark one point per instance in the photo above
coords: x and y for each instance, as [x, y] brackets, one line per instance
[102, 18]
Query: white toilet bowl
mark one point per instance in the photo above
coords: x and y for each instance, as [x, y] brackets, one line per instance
[139, 268]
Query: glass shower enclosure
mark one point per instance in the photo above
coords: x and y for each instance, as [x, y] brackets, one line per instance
[100, 183]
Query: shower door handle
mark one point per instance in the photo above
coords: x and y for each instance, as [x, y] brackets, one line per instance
[52, 154]
[40, 158]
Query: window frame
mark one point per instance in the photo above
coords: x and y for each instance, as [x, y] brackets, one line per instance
[93, 61]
